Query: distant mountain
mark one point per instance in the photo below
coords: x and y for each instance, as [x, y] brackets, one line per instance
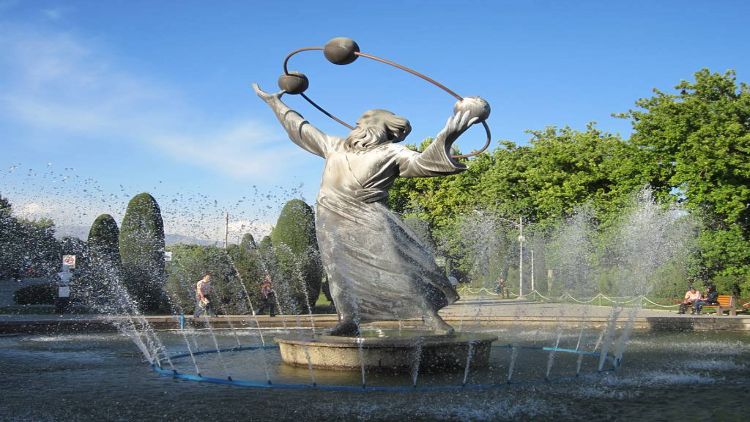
[171, 239]
[82, 232]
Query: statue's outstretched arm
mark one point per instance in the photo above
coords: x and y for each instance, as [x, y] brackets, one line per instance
[300, 131]
[436, 159]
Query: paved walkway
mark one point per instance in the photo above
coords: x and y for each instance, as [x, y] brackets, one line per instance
[467, 313]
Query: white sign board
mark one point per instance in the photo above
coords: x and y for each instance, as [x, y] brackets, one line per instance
[69, 261]
[167, 256]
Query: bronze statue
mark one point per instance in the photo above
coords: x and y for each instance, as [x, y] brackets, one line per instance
[377, 267]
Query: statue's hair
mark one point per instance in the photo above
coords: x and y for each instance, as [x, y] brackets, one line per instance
[377, 127]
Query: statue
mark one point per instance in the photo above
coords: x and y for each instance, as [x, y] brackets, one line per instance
[377, 267]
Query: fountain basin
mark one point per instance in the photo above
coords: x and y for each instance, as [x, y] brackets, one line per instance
[384, 350]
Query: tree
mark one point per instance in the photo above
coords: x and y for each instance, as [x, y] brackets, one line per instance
[248, 262]
[75, 246]
[248, 242]
[142, 252]
[542, 182]
[27, 247]
[567, 168]
[695, 148]
[102, 269]
[10, 232]
[297, 256]
[188, 265]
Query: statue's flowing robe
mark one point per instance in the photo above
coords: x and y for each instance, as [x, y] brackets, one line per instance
[377, 267]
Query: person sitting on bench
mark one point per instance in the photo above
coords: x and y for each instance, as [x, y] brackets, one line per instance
[711, 298]
[691, 296]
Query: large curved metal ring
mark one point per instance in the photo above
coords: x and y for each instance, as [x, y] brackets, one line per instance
[398, 66]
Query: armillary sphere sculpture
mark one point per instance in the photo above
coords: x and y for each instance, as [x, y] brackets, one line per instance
[378, 268]
[343, 51]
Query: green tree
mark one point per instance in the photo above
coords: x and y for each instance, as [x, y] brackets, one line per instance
[188, 265]
[542, 182]
[248, 261]
[568, 168]
[10, 249]
[142, 252]
[28, 248]
[694, 146]
[95, 280]
[297, 255]
[248, 242]
[74, 246]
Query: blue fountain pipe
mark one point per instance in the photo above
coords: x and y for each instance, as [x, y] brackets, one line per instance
[348, 388]
[356, 388]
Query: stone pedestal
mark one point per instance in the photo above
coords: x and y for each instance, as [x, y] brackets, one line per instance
[386, 351]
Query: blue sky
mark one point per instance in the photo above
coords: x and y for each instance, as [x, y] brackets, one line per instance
[101, 100]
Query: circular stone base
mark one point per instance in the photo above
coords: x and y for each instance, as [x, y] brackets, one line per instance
[386, 350]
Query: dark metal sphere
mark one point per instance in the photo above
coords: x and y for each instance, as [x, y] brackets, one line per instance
[294, 83]
[341, 50]
[475, 106]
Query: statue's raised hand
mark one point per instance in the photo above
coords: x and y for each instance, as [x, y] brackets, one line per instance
[477, 108]
[265, 96]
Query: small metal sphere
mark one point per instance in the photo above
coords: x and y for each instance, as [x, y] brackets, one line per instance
[475, 106]
[294, 83]
[341, 50]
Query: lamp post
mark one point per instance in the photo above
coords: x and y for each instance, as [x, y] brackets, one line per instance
[521, 239]
[532, 270]
[226, 229]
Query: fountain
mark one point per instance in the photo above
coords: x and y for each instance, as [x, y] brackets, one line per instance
[557, 342]
[573, 340]
[549, 350]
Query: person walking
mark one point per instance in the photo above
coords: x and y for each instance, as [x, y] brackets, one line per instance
[268, 296]
[502, 288]
[204, 296]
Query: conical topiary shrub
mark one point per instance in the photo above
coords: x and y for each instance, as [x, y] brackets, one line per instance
[296, 250]
[103, 264]
[142, 252]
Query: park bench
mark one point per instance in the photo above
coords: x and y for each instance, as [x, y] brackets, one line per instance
[726, 303]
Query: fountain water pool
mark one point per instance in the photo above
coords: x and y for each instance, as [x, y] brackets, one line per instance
[101, 376]
[470, 364]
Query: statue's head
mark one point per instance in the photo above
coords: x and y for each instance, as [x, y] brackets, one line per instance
[377, 127]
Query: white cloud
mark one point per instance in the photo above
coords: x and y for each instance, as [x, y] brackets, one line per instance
[34, 210]
[54, 82]
[243, 149]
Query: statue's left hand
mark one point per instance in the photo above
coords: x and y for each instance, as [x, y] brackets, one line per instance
[466, 112]
[265, 96]
[476, 107]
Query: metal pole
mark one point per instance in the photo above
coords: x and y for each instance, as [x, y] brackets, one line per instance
[226, 230]
[532, 270]
[520, 258]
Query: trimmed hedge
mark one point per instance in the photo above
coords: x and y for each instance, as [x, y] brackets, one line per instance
[142, 252]
[36, 294]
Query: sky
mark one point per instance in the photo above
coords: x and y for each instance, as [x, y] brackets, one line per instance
[102, 100]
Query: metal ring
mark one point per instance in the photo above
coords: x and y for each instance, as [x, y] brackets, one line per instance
[398, 66]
